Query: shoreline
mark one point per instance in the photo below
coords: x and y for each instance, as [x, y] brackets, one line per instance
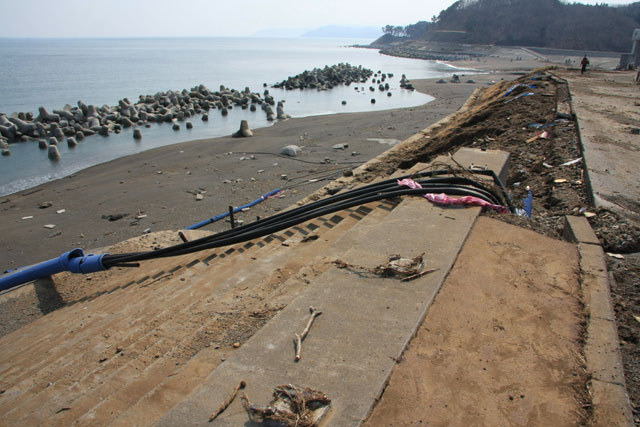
[162, 183]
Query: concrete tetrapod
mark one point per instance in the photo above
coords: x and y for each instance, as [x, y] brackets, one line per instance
[244, 131]
[53, 154]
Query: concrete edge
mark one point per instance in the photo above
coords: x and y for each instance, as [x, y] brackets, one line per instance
[611, 405]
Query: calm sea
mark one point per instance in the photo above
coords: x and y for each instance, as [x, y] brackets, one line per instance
[55, 72]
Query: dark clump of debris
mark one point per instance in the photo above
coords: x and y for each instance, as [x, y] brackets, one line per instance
[291, 406]
[396, 267]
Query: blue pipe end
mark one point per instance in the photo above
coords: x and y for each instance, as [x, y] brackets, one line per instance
[74, 261]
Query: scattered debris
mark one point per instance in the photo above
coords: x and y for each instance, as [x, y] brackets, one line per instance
[50, 226]
[616, 256]
[45, 205]
[572, 162]
[27, 217]
[539, 135]
[517, 86]
[61, 211]
[114, 217]
[400, 267]
[397, 267]
[228, 400]
[291, 406]
[199, 196]
[290, 150]
[422, 273]
[299, 338]
[519, 96]
[444, 199]
[340, 146]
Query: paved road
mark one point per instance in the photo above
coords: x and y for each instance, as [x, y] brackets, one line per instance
[607, 105]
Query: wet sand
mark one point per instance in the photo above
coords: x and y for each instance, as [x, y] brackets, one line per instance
[162, 183]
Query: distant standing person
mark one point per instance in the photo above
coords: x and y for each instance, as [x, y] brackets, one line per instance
[584, 64]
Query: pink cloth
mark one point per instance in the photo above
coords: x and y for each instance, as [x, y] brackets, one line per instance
[408, 182]
[443, 199]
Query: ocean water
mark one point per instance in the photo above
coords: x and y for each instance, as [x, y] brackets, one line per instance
[55, 72]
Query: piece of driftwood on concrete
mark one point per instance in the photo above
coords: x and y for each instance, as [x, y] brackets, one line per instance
[299, 338]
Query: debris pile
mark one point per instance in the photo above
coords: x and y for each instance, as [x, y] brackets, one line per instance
[291, 406]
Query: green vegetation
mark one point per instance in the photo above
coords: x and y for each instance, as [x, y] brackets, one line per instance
[540, 23]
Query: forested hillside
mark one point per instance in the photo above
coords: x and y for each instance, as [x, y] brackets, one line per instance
[542, 23]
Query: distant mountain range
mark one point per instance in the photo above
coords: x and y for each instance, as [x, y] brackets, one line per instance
[329, 31]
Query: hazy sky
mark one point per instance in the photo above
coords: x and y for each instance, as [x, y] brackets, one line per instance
[143, 18]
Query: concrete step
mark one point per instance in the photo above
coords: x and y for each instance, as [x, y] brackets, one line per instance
[366, 322]
[141, 343]
[141, 309]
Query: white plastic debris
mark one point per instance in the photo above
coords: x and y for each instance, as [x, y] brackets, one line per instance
[290, 150]
[572, 162]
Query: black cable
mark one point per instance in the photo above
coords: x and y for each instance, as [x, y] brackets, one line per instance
[314, 209]
[373, 192]
[184, 249]
[377, 187]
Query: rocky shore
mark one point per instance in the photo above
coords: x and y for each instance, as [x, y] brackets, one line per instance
[77, 122]
[327, 78]
[417, 53]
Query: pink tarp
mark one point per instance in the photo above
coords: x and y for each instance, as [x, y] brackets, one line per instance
[443, 199]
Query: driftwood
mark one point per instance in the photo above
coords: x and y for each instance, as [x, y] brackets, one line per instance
[228, 400]
[291, 406]
[299, 338]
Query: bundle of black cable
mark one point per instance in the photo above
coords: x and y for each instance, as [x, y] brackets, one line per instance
[450, 185]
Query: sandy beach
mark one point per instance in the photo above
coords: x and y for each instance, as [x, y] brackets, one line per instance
[162, 184]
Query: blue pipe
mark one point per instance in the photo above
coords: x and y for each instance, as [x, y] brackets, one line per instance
[74, 261]
[528, 203]
[235, 210]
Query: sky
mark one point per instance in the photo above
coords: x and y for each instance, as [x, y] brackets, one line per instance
[196, 18]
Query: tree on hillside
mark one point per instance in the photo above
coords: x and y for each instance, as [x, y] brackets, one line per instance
[413, 31]
[396, 31]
